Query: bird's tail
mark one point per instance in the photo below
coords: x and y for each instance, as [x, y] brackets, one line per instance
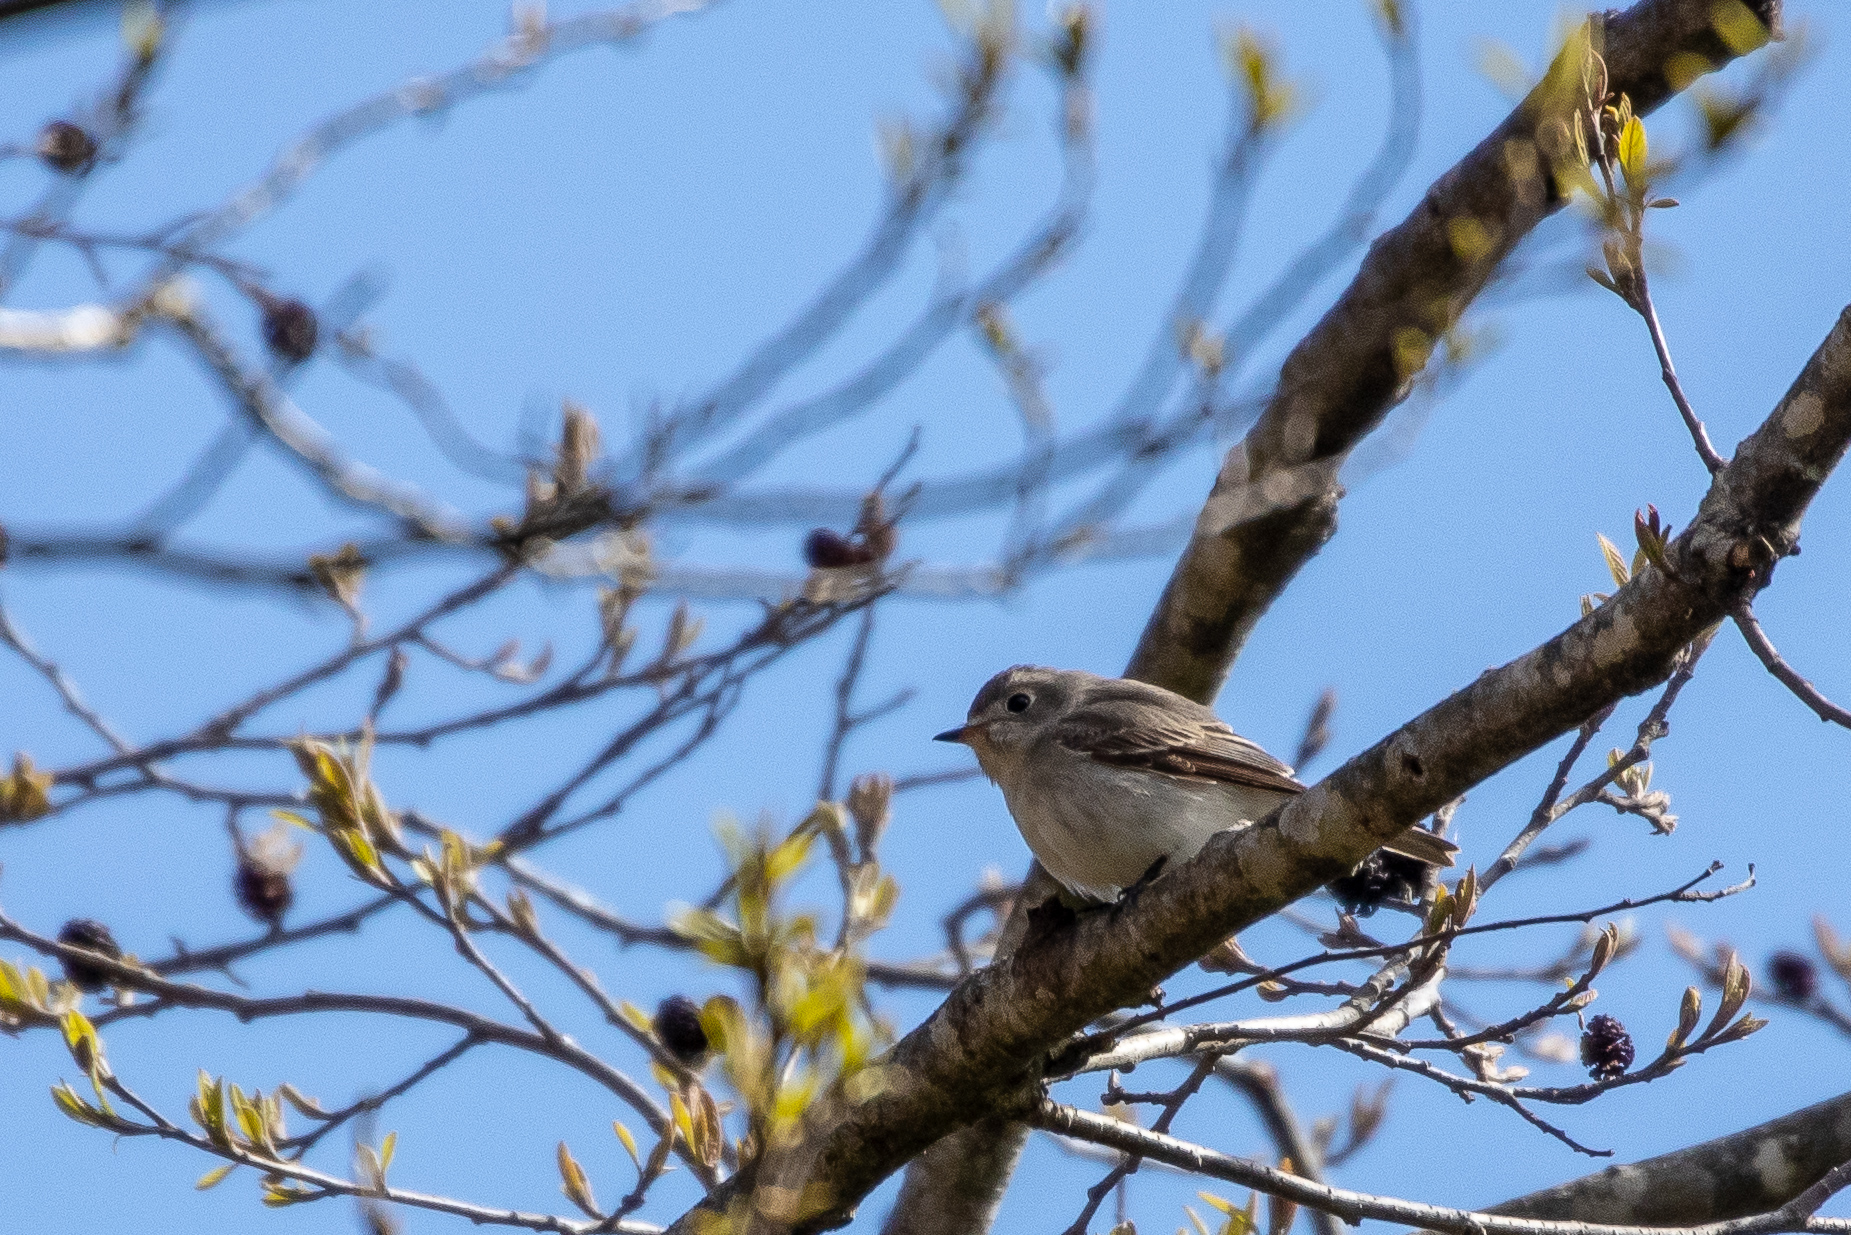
[1425, 846]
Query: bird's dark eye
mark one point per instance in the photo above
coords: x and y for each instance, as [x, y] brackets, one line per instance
[1018, 703]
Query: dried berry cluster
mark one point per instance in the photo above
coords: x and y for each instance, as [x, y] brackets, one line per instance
[66, 147]
[1606, 1048]
[1793, 976]
[93, 936]
[290, 329]
[1383, 876]
[871, 541]
[263, 890]
[677, 1026]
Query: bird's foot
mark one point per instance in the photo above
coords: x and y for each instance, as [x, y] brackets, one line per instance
[1147, 878]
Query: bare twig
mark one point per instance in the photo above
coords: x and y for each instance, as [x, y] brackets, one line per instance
[1553, 806]
[1797, 1215]
[1698, 435]
[67, 690]
[1763, 648]
[325, 1185]
[1172, 1104]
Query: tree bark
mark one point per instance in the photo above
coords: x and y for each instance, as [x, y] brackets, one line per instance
[955, 1187]
[1748, 1172]
[957, 1184]
[1274, 503]
[981, 1053]
[1334, 389]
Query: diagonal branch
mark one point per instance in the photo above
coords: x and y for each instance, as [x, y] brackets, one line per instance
[1776, 664]
[1747, 1172]
[985, 1041]
[1274, 503]
[1798, 1214]
[1219, 591]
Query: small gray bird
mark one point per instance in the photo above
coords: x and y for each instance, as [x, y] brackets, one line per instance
[1106, 775]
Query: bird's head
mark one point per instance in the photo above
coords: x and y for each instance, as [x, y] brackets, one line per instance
[1010, 710]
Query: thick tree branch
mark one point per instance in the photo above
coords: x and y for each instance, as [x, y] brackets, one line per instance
[1275, 502]
[1747, 1172]
[992, 1032]
[1221, 586]
[1795, 1215]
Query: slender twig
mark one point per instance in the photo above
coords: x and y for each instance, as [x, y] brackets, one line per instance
[1037, 253]
[1546, 812]
[845, 721]
[326, 1185]
[228, 720]
[587, 983]
[300, 1145]
[997, 900]
[1796, 1215]
[190, 960]
[1698, 434]
[1684, 892]
[1259, 1082]
[929, 973]
[1172, 1104]
[166, 995]
[467, 949]
[272, 412]
[1763, 648]
[60, 681]
[1553, 806]
[1357, 1014]
[926, 780]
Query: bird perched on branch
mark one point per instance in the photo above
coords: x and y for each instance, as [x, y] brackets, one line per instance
[1107, 777]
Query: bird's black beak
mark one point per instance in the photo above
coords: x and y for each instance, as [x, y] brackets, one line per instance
[960, 734]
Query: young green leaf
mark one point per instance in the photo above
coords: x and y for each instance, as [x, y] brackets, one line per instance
[1633, 153]
[575, 1185]
[1616, 563]
[214, 1177]
[629, 1142]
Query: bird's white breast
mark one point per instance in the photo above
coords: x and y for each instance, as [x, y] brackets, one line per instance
[1098, 828]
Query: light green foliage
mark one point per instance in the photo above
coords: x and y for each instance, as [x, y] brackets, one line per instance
[25, 793]
[807, 1022]
[1272, 99]
[353, 815]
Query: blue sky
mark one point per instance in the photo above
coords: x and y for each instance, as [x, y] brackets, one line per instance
[621, 230]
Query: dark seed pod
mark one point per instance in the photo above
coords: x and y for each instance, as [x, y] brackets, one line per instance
[678, 1027]
[66, 147]
[827, 550]
[263, 891]
[1383, 876]
[1794, 977]
[290, 329]
[1606, 1048]
[880, 541]
[92, 935]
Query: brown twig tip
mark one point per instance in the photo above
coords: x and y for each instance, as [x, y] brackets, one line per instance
[1763, 648]
[1317, 729]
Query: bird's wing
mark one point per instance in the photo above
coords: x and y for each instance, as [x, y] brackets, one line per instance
[1131, 731]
